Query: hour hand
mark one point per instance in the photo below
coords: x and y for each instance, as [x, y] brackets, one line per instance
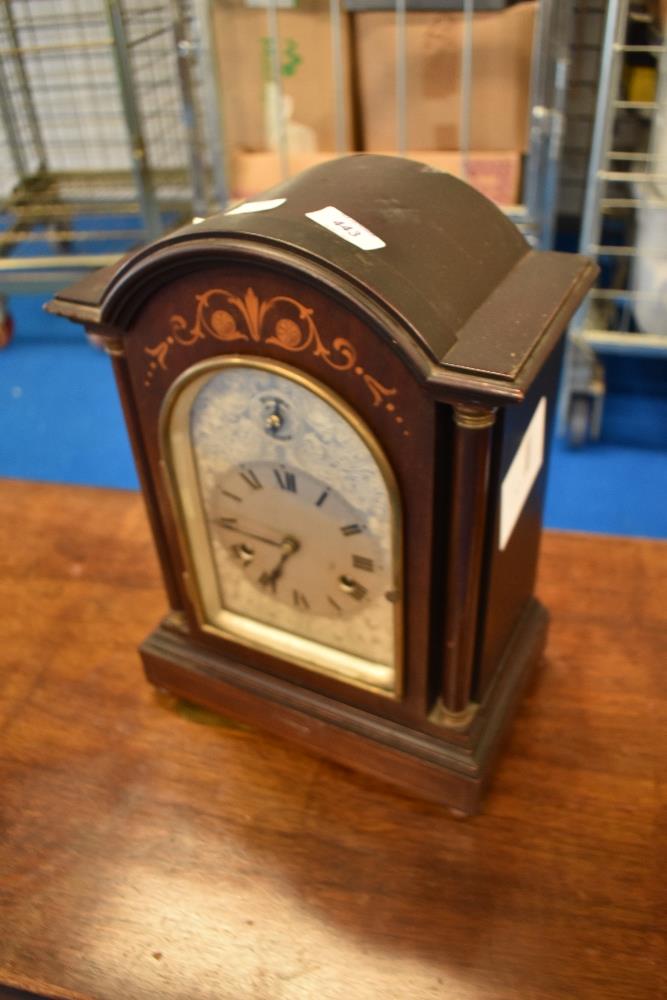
[289, 546]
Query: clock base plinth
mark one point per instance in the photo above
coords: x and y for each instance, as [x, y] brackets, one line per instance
[431, 762]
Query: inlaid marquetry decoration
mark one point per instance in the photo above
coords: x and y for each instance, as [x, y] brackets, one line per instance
[227, 317]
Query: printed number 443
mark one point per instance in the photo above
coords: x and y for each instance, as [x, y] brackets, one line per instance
[343, 224]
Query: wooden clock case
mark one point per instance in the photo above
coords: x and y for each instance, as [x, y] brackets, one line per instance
[444, 341]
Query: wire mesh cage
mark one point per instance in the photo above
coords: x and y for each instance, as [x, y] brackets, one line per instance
[102, 109]
[111, 109]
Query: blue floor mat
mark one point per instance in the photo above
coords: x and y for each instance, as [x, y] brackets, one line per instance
[608, 488]
[62, 422]
[61, 418]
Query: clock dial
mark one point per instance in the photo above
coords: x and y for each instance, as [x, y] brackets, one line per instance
[291, 517]
[298, 540]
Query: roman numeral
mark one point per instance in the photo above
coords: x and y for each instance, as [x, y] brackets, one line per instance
[251, 479]
[357, 591]
[286, 480]
[322, 498]
[352, 529]
[232, 496]
[362, 562]
[226, 522]
[334, 604]
[300, 600]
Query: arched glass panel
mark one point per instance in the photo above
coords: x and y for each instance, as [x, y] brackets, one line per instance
[290, 517]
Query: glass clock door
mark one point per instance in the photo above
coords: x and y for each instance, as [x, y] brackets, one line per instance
[290, 517]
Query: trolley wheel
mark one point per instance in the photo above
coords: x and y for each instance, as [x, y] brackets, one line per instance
[6, 327]
[579, 421]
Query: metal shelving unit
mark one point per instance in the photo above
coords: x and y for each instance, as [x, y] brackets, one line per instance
[624, 224]
[110, 112]
[552, 56]
[105, 133]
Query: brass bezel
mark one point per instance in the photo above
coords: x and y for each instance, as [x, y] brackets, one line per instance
[210, 366]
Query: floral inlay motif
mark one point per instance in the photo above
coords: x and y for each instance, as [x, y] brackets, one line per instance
[227, 317]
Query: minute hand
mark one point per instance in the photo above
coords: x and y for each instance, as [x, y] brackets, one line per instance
[249, 534]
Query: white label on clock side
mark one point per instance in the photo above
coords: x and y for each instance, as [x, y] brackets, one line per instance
[522, 473]
[345, 227]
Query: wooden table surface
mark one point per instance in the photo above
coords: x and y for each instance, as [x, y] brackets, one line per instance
[149, 849]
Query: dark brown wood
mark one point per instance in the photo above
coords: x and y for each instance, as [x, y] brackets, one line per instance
[416, 758]
[149, 485]
[511, 324]
[409, 206]
[449, 309]
[378, 387]
[455, 276]
[154, 850]
[509, 574]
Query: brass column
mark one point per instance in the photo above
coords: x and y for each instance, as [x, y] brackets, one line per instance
[470, 479]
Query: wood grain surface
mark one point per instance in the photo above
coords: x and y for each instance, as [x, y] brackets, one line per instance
[150, 849]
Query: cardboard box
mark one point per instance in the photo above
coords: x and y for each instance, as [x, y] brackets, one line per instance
[248, 95]
[501, 63]
[495, 174]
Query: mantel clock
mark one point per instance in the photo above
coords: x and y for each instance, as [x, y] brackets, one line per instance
[339, 399]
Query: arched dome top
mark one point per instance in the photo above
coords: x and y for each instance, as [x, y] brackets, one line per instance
[442, 259]
[408, 206]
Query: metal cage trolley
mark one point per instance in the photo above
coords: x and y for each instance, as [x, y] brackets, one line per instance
[247, 26]
[624, 222]
[107, 133]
